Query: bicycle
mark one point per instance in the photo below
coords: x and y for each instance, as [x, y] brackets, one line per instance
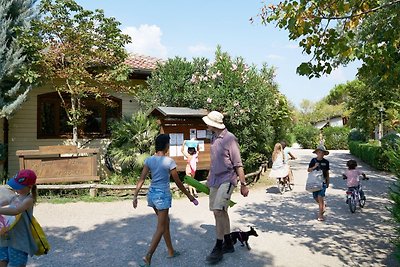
[353, 196]
[283, 183]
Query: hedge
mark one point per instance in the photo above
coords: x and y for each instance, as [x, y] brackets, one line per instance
[370, 153]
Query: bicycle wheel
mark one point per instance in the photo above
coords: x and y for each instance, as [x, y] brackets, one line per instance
[281, 185]
[352, 204]
[362, 201]
[289, 185]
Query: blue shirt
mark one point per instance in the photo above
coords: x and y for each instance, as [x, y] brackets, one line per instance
[160, 167]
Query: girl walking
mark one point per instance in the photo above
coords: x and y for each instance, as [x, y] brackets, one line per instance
[17, 243]
[159, 196]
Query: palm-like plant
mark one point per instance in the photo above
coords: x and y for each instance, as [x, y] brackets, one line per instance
[132, 140]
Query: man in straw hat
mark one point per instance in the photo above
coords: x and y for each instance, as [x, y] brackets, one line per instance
[320, 164]
[226, 166]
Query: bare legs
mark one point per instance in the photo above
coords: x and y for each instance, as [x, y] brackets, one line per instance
[321, 207]
[222, 223]
[161, 231]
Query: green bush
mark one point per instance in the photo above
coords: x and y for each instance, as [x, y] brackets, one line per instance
[132, 141]
[393, 155]
[306, 135]
[371, 154]
[357, 135]
[336, 137]
[254, 109]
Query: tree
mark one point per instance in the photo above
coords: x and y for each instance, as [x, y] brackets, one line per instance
[248, 97]
[342, 31]
[82, 56]
[15, 17]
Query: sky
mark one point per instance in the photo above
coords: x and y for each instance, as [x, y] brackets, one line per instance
[184, 28]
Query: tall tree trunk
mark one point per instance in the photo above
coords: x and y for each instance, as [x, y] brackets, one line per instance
[75, 119]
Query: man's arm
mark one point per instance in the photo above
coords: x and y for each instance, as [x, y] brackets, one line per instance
[244, 190]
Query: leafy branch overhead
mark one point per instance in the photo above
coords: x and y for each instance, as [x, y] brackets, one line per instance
[337, 32]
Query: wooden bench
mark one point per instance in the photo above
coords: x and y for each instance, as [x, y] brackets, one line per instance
[61, 165]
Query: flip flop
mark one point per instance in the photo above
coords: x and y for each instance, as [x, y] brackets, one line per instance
[176, 254]
[321, 219]
[145, 263]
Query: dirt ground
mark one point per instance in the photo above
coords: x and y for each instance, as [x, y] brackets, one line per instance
[114, 234]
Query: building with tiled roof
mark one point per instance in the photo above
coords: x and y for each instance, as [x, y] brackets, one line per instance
[141, 65]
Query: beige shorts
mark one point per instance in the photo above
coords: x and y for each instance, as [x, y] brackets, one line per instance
[219, 197]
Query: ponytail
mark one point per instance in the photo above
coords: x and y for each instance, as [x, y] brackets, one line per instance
[34, 193]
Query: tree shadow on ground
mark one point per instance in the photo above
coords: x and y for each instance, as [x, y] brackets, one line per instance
[123, 243]
[356, 239]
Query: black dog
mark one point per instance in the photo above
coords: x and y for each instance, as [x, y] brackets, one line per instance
[243, 237]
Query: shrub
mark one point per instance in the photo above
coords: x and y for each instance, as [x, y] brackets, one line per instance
[306, 135]
[336, 137]
[254, 110]
[132, 140]
[393, 155]
[371, 154]
[357, 135]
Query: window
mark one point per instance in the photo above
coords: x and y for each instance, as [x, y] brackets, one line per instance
[53, 121]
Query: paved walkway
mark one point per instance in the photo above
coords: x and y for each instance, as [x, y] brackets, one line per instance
[114, 234]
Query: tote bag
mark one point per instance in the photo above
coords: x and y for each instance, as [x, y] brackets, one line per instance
[39, 237]
[314, 181]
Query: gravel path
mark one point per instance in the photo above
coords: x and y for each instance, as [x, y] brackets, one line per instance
[114, 234]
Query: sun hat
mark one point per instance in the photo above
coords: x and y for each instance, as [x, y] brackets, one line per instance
[22, 179]
[321, 148]
[215, 119]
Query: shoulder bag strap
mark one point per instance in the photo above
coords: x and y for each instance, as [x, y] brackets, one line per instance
[34, 228]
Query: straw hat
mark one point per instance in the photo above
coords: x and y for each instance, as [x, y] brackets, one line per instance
[321, 148]
[215, 119]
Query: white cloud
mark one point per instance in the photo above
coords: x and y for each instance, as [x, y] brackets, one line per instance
[146, 40]
[199, 49]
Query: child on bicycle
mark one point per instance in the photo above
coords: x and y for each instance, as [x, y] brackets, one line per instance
[353, 177]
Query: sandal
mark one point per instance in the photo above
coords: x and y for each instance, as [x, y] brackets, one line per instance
[146, 262]
[321, 219]
[176, 254]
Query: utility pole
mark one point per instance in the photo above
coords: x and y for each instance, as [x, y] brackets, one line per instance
[380, 130]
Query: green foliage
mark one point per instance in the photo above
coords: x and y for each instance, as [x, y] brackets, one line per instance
[306, 135]
[15, 18]
[393, 155]
[364, 103]
[372, 154]
[341, 31]
[336, 137]
[132, 142]
[82, 54]
[311, 112]
[254, 109]
[357, 135]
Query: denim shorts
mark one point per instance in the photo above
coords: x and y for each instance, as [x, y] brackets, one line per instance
[14, 257]
[321, 192]
[159, 199]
